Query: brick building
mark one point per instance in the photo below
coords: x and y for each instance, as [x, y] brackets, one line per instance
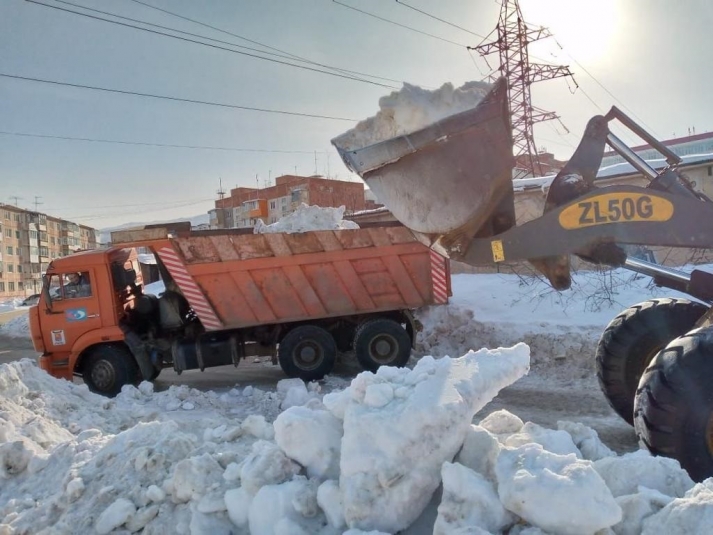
[245, 206]
[29, 241]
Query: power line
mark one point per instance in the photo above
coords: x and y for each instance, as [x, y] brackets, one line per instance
[185, 39]
[402, 3]
[147, 144]
[282, 53]
[175, 99]
[397, 24]
[173, 204]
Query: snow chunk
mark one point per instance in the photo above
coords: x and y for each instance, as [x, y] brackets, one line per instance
[502, 422]
[480, 451]
[308, 218]
[117, 514]
[411, 109]
[469, 500]
[392, 456]
[289, 508]
[238, 501]
[559, 442]
[541, 487]
[312, 438]
[329, 499]
[623, 475]
[587, 441]
[193, 477]
[257, 426]
[691, 514]
[266, 465]
[636, 508]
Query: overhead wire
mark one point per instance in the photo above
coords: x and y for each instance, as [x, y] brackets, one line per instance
[215, 46]
[398, 24]
[148, 144]
[281, 53]
[402, 3]
[175, 99]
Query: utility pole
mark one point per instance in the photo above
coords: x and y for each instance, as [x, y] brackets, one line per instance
[512, 41]
[221, 191]
[37, 202]
[15, 197]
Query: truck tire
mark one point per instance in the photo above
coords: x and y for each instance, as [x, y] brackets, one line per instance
[381, 342]
[108, 368]
[308, 352]
[632, 340]
[673, 410]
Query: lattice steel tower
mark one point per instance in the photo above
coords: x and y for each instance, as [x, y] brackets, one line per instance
[513, 39]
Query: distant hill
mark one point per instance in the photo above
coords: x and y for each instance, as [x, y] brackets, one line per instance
[105, 233]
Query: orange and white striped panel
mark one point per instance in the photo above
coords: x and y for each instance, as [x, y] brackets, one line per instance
[438, 278]
[190, 289]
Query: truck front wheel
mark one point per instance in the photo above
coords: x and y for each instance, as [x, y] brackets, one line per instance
[673, 409]
[632, 340]
[108, 368]
[381, 342]
[308, 352]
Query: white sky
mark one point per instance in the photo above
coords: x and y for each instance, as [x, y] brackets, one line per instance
[648, 54]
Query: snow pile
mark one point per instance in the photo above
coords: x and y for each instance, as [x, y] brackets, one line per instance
[17, 327]
[411, 109]
[369, 457]
[307, 218]
[9, 305]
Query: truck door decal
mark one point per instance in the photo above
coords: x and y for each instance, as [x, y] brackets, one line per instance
[75, 314]
[438, 277]
[190, 289]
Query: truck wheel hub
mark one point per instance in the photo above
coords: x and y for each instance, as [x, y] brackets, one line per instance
[102, 374]
[308, 355]
[383, 348]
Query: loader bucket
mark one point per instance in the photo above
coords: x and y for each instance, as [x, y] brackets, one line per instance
[450, 180]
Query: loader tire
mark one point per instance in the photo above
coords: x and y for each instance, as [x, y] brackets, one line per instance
[308, 352]
[108, 368]
[673, 410]
[632, 340]
[381, 342]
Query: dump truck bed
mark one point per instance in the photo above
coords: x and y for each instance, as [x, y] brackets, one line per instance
[233, 279]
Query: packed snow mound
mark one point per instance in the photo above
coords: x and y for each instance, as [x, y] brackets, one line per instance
[411, 109]
[183, 461]
[307, 218]
[17, 327]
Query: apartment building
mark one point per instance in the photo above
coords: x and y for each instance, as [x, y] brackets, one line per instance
[29, 241]
[245, 206]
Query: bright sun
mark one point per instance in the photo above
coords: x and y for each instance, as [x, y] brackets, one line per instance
[585, 28]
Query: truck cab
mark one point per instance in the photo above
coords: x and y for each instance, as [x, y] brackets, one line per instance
[84, 299]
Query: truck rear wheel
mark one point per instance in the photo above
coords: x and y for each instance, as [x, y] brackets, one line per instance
[673, 410]
[308, 352]
[108, 368]
[381, 342]
[632, 340]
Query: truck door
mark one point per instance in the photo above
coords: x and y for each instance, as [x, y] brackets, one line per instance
[74, 310]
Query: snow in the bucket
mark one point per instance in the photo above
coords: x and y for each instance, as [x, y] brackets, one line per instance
[411, 109]
[308, 218]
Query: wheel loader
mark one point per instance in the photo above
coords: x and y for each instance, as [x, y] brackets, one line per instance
[451, 184]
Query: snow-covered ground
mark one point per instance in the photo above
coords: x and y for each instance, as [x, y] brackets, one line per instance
[394, 451]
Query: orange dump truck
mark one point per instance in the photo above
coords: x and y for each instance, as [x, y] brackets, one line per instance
[299, 298]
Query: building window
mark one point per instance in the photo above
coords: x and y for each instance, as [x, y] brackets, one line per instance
[19, 268]
[11, 286]
[17, 218]
[43, 251]
[9, 249]
[8, 233]
[11, 268]
[2, 286]
[7, 215]
[17, 234]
